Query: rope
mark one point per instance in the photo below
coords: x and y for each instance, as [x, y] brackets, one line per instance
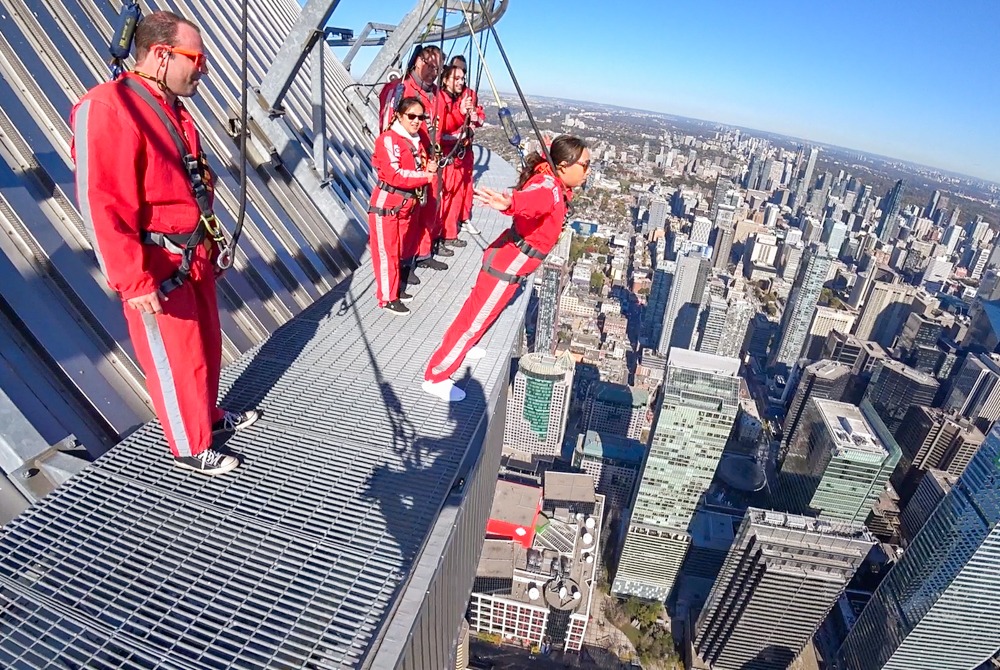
[244, 85]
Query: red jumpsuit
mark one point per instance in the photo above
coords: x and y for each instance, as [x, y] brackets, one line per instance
[456, 175]
[418, 244]
[539, 210]
[398, 160]
[129, 180]
[467, 166]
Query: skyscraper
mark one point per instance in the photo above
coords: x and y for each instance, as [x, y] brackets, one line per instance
[711, 325]
[549, 289]
[697, 409]
[779, 580]
[939, 607]
[885, 312]
[888, 225]
[734, 330]
[825, 320]
[539, 405]
[895, 386]
[824, 380]
[686, 294]
[839, 462]
[656, 306]
[975, 390]
[725, 227]
[932, 204]
[615, 409]
[799, 311]
[932, 438]
[658, 210]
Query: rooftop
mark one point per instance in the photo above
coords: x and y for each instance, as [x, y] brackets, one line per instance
[546, 366]
[849, 428]
[619, 394]
[515, 503]
[596, 445]
[696, 360]
[569, 486]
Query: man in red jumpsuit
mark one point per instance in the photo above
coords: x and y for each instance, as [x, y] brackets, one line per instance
[138, 202]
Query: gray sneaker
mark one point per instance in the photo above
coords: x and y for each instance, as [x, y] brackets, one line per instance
[209, 462]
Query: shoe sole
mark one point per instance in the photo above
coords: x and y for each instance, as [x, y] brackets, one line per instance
[406, 300]
[389, 311]
[208, 473]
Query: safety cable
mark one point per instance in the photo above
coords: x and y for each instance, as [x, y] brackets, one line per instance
[542, 150]
[244, 85]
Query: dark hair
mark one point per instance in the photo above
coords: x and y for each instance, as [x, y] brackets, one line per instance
[459, 61]
[408, 102]
[412, 63]
[447, 73]
[564, 149]
[158, 28]
[422, 52]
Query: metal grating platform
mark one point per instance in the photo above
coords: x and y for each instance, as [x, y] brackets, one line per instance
[301, 558]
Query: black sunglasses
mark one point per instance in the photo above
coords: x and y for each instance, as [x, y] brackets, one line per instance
[414, 117]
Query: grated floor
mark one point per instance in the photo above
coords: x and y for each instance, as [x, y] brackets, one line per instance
[296, 559]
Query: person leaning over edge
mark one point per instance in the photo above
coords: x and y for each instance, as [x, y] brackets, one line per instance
[137, 198]
[404, 172]
[538, 207]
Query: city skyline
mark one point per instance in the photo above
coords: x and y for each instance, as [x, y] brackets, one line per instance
[873, 97]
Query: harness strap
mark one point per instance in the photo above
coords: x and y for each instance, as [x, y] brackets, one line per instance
[175, 244]
[405, 192]
[192, 167]
[523, 246]
[503, 276]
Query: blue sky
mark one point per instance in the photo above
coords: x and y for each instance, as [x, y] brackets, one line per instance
[917, 80]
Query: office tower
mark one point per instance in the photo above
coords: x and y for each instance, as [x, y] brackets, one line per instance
[697, 410]
[842, 348]
[983, 334]
[549, 289]
[686, 294]
[862, 287]
[952, 236]
[533, 587]
[834, 234]
[763, 329]
[931, 438]
[725, 226]
[978, 263]
[734, 330]
[895, 386]
[753, 172]
[975, 390]
[538, 404]
[614, 463]
[656, 306]
[917, 341]
[701, 230]
[955, 213]
[838, 463]
[932, 203]
[823, 380]
[711, 324]
[825, 321]
[781, 577]
[933, 487]
[791, 260]
[463, 656]
[658, 210]
[888, 225]
[885, 311]
[615, 409]
[722, 186]
[939, 607]
[799, 309]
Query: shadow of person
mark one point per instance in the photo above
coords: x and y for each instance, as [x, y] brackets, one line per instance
[411, 488]
[770, 658]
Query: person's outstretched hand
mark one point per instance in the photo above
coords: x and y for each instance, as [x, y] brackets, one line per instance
[490, 198]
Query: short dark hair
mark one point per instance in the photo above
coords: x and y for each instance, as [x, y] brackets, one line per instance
[158, 28]
[408, 102]
[459, 61]
[565, 149]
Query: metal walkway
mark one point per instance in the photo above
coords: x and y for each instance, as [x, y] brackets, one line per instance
[348, 538]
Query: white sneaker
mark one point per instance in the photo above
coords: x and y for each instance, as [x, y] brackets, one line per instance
[471, 229]
[475, 353]
[445, 390]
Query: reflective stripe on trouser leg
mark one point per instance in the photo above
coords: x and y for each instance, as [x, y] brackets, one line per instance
[211, 340]
[383, 235]
[171, 350]
[488, 299]
[427, 215]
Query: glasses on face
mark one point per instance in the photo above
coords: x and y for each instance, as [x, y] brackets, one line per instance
[199, 59]
[584, 164]
[413, 117]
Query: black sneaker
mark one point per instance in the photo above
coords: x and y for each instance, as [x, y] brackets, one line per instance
[411, 278]
[234, 421]
[209, 462]
[396, 307]
[442, 250]
[405, 297]
[457, 243]
[432, 264]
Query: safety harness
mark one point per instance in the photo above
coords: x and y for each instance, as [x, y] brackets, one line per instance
[511, 235]
[419, 194]
[195, 167]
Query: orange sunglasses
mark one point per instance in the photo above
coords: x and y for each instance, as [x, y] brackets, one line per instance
[200, 59]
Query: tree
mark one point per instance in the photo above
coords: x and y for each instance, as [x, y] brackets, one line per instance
[596, 281]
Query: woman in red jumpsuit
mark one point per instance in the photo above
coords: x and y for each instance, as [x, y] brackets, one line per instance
[403, 173]
[477, 119]
[457, 113]
[538, 207]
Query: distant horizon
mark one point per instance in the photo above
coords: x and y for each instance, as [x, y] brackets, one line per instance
[803, 140]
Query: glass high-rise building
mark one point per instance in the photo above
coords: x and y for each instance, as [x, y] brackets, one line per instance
[798, 314]
[549, 289]
[696, 414]
[538, 405]
[888, 225]
[939, 607]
